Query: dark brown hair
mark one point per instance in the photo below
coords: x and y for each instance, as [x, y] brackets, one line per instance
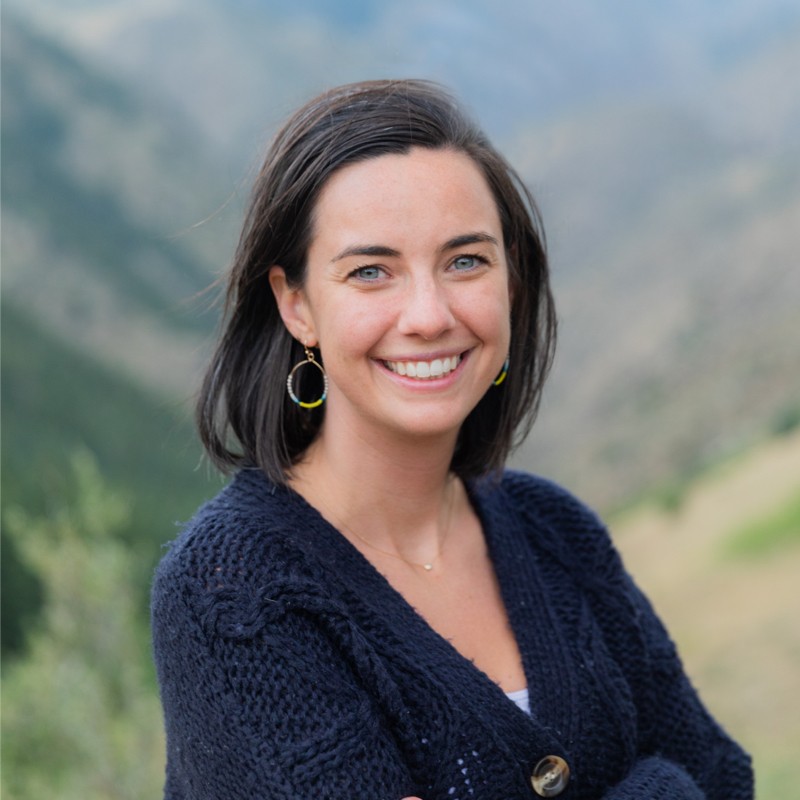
[244, 391]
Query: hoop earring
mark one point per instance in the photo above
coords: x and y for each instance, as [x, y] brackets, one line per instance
[309, 359]
[503, 374]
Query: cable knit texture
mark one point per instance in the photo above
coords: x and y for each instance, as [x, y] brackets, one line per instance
[290, 668]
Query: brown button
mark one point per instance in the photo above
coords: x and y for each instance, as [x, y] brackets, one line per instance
[550, 776]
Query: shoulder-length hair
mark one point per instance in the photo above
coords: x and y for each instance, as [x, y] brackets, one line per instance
[244, 414]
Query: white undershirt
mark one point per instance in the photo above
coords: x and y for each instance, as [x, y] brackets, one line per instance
[521, 698]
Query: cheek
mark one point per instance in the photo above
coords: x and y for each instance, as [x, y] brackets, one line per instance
[488, 310]
[351, 330]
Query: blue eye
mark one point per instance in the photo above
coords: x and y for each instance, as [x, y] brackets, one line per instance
[463, 263]
[367, 273]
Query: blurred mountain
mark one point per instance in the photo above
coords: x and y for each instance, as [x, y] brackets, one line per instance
[99, 344]
[687, 348]
[99, 193]
[661, 141]
[237, 68]
[676, 253]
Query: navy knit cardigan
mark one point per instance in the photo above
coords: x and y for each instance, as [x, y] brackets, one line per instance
[290, 668]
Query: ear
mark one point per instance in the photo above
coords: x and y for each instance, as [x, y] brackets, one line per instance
[293, 307]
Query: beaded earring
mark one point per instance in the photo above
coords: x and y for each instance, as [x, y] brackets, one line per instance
[309, 359]
[503, 374]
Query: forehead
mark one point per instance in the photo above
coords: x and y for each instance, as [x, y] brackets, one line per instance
[424, 193]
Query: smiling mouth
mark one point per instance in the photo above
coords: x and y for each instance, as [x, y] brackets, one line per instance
[424, 370]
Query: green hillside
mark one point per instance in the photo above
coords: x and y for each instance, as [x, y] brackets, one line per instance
[56, 402]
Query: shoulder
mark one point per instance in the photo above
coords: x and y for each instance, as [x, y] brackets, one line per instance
[247, 546]
[553, 520]
[232, 526]
[546, 499]
[540, 501]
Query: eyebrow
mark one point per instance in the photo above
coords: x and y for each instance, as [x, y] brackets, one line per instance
[367, 250]
[469, 238]
[382, 251]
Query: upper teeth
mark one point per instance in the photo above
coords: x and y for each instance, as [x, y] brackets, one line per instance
[424, 369]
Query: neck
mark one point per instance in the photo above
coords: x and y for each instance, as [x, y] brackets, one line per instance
[398, 496]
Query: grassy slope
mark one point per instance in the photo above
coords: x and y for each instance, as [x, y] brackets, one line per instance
[733, 610]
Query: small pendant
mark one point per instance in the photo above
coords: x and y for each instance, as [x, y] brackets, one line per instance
[427, 567]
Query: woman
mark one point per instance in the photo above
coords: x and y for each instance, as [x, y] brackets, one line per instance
[373, 608]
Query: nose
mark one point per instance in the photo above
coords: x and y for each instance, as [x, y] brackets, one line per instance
[426, 310]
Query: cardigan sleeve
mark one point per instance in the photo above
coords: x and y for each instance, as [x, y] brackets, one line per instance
[263, 697]
[680, 751]
[683, 753]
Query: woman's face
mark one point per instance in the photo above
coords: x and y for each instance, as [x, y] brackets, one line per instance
[406, 293]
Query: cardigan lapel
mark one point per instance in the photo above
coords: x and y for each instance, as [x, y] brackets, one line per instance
[435, 659]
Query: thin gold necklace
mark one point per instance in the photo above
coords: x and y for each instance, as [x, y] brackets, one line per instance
[426, 566]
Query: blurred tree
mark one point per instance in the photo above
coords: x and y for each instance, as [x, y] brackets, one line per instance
[81, 716]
